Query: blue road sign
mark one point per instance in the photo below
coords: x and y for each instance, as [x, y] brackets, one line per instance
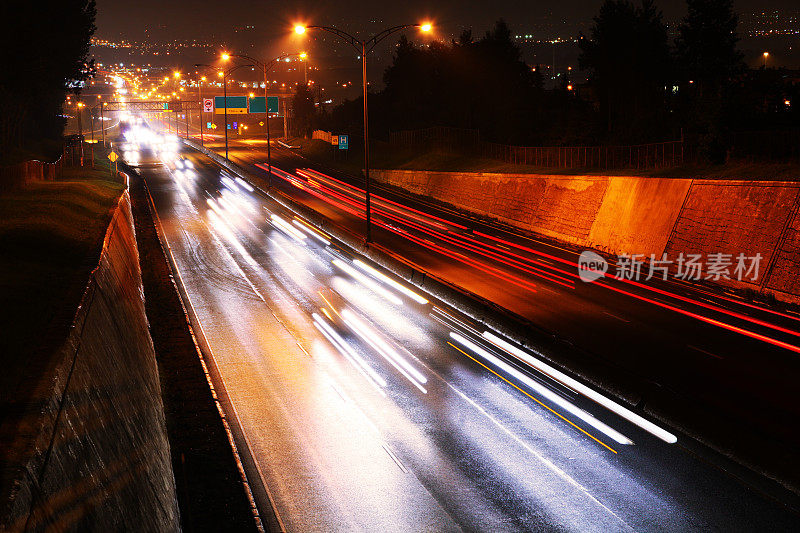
[208, 125]
[344, 142]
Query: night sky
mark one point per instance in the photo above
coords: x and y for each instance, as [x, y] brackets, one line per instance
[198, 18]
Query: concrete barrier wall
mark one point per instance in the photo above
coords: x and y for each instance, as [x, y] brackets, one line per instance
[627, 214]
[748, 217]
[637, 215]
[784, 275]
[90, 451]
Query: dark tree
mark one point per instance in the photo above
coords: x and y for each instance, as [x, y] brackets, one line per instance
[304, 110]
[46, 54]
[709, 61]
[481, 84]
[628, 57]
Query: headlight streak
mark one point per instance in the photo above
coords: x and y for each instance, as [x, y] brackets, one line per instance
[356, 360]
[311, 233]
[386, 279]
[229, 206]
[246, 186]
[368, 282]
[542, 390]
[287, 228]
[230, 184]
[580, 388]
[218, 222]
[387, 352]
[239, 200]
[312, 228]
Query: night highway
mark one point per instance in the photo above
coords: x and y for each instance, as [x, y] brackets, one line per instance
[413, 266]
[683, 337]
[370, 406]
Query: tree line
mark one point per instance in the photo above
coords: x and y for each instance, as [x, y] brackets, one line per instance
[644, 85]
[46, 55]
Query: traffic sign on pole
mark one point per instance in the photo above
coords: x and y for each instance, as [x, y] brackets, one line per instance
[208, 105]
[113, 156]
[334, 140]
[344, 142]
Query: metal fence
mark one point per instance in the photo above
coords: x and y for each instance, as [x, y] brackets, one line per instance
[468, 142]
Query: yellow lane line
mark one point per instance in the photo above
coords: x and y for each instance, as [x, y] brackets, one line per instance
[537, 401]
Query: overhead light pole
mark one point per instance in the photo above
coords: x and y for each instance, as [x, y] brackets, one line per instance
[200, 97]
[363, 47]
[266, 67]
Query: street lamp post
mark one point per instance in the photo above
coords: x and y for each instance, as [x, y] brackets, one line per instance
[200, 97]
[766, 55]
[224, 74]
[266, 66]
[79, 106]
[363, 47]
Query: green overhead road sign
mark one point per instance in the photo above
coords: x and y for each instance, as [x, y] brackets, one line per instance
[257, 104]
[236, 105]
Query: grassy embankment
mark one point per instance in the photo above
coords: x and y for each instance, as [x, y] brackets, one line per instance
[51, 233]
[385, 156]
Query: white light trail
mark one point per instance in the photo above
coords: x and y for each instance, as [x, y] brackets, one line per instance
[543, 391]
[389, 281]
[313, 234]
[244, 185]
[579, 387]
[287, 228]
[350, 354]
[367, 281]
[387, 352]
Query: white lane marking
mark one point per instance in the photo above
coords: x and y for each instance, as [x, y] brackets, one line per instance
[615, 316]
[394, 457]
[705, 352]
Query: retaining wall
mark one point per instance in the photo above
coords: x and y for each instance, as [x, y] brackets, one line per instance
[637, 215]
[89, 451]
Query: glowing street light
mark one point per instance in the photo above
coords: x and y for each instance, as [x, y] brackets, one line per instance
[266, 66]
[766, 55]
[364, 47]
